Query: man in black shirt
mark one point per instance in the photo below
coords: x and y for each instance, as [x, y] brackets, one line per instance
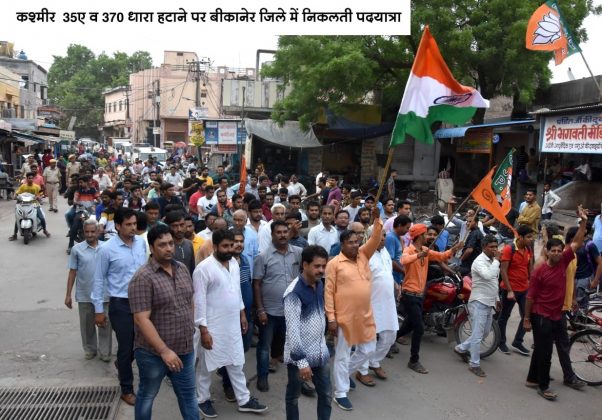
[472, 246]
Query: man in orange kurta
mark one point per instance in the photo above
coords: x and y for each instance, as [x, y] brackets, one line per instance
[416, 265]
[347, 302]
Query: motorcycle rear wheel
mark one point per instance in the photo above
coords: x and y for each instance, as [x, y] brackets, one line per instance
[488, 345]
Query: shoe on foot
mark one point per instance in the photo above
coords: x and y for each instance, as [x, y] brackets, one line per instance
[207, 409]
[229, 393]
[504, 348]
[308, 389]
[464, 355]
[343, 403]
[575, 383]
[89, 355]
[417, 367]
[477, 371]
[129, 399]
[47, 234]
[379, 373]
[105, 358]
[519, 348]
[530, 384]
[262, 384]
[253, 406]
[365, 379]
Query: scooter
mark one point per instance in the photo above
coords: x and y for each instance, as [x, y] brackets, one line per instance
[26, 215]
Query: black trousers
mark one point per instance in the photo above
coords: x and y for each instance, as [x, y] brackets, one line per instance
[122, 322]
[412, 306]
[545, 332]
[562, 348]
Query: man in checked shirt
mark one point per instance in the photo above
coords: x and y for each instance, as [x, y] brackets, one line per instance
[160, 296]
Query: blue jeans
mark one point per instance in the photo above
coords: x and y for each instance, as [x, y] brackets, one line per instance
[321, 380]
[266, 335]
[152, 370]
[122, 323]
[69, 216]
[507, 306]
[481, 317]
[582, 297]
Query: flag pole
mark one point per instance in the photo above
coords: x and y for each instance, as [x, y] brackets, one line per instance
[384, 177]
[592, 75]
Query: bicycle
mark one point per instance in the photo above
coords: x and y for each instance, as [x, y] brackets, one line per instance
[585, 353]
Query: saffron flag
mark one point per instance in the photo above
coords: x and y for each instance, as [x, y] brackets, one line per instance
[432, 94]
[502, 179]
[547, 31]
[486, 197]
[243, 177]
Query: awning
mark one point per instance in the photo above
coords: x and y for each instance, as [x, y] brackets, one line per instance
[289, 135]
[455, 132]
[28, 139]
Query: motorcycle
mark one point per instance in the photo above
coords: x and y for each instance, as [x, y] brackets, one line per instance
[445, 310]
[26, 214]
[82, 213]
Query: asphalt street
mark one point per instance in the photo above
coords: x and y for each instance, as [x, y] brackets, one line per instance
[40, 345]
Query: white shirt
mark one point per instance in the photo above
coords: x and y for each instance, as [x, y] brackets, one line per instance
[296, 189]
[485, 280]
[206, 234]
[550, 200]
[217, 305]
[265, 236]
[383, 292]
[104, 181]
[352, 212]
[175, 179]
[204, 205]
[325, 238]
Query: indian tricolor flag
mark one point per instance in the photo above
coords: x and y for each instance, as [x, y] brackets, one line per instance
[432, 94]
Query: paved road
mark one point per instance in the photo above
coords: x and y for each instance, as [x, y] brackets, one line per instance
[40, 345]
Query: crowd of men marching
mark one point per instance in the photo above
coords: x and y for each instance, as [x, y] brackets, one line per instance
[186, 269]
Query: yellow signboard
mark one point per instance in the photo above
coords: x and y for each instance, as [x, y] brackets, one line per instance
[197, 132]
[476, 141]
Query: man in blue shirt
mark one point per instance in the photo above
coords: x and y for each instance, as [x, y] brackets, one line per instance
[117, 261]
[393, 243]
[439, 223]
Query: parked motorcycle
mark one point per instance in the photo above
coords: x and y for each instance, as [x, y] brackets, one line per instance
[26, 214]
[445, 310]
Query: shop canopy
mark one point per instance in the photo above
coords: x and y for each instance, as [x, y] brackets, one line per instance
[456, 132]
[289, 135]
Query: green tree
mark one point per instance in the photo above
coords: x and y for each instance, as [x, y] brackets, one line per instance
[483, 42]
[77, 80]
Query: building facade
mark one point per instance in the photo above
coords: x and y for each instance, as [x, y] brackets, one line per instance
[116, 116]
[32, 80]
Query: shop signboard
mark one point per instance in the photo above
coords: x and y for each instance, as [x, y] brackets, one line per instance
[476, 141]
[577, 133]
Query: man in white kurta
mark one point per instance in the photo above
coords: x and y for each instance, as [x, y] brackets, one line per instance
[217, 306]
[384, 307]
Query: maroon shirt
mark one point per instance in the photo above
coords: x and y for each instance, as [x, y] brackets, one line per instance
[548, 287]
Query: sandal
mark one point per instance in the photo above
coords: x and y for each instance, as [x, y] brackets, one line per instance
[529, 384]
[548, 394]
[12, 238]
[417, 367]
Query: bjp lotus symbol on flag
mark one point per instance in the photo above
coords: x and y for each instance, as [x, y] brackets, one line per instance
[547, 31]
